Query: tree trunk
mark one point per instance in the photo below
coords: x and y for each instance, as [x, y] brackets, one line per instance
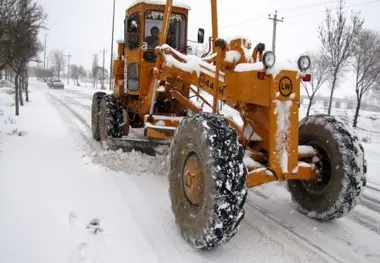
[310, 104]
[357, 111]
[20, 91]
[26, 86]
[59, 75]
[332, 94]
[17, 106]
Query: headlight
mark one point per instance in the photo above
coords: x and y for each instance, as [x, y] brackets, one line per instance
[304, 63]
[269, 59]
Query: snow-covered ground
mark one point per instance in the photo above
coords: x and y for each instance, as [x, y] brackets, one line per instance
[54, 179]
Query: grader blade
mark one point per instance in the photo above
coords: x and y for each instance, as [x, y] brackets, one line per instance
[146, 146]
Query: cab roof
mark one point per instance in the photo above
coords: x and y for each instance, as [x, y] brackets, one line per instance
[176, 3]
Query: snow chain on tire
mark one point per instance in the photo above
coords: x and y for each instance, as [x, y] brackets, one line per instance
[216, 219]
[111, 110]
[347, 169]
[95, 108]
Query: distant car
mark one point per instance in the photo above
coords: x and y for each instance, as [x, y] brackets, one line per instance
[56, 84]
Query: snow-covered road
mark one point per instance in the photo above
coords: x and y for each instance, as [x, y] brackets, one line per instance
[54, 179]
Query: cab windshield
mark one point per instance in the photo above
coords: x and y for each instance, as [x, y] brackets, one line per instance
[176, 34]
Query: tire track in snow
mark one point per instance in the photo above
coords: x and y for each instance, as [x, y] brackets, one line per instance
[298, 236]
[313, 232]
[78, 116]
[76, 123]
[255, 231]
[373, 186]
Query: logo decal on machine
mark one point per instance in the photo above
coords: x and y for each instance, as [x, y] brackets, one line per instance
[285, 86]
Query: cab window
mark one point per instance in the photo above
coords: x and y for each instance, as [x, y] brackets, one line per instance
[132, 31]
[176, 34]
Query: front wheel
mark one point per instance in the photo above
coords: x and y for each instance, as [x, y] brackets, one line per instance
[111, 118]
[207, 180]
[95, 108]
[341, 169]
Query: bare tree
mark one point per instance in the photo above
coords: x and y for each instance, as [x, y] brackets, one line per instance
[366, 65]
[8, 10]
[95, 68]
[320, 75]
[58, 61]
[337, 35]
[77, 72]
[27, 19]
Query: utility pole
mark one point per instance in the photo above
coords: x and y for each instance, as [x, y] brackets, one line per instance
[45, 53]
[275, 20]
[112, 38]
[68, 67]
[113, 31]
[104, 59]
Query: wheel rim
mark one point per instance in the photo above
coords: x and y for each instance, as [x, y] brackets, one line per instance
[324, 173]
[193, 180]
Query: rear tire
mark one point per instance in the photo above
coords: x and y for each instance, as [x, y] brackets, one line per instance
[212, 215]
[341, 167]
[95, 108]
[111, 119]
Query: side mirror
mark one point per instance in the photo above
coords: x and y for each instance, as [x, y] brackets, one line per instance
[201, 35]
[144, 46]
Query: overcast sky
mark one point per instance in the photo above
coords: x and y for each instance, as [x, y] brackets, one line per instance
[83, 27]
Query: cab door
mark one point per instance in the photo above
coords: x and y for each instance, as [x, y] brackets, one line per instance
[132, 54]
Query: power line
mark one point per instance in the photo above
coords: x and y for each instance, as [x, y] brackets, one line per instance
[322, 11]
[292, 9]
[296, 8]
[281, 10]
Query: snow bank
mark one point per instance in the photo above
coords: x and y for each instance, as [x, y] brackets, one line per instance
[49, 196]
[133, 162]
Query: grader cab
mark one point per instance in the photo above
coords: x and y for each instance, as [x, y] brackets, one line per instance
[178, 98]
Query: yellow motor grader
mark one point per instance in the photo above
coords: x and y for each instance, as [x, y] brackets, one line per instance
[215, 158]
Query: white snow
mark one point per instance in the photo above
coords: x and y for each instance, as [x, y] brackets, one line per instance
[176, 3]
[232, 56]
[161, 89]
[284, 65]
[167, 118]
[243, 67]
[249, 134]
[249, 162]
[54, 179]
[282, 111]
[305, 149]
[192, 63]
